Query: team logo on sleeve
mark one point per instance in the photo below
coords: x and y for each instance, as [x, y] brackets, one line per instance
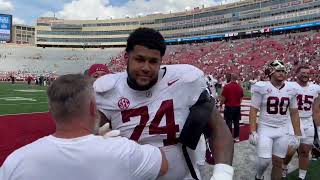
[123, 103]
[269, 90]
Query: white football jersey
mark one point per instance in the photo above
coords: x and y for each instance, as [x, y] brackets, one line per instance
[155, 116]
[305, 98]
[273, 103]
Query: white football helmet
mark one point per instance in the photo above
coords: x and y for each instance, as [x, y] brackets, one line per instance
[274, 66]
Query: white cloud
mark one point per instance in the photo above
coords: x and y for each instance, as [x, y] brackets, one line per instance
[6, 6]
[102, 9]
[17, 20]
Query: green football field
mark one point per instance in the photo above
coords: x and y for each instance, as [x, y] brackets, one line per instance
[312, 174]
[22, 98]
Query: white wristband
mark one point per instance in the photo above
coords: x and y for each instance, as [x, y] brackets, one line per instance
[222, 171]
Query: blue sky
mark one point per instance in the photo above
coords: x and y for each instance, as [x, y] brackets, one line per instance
[27, 11]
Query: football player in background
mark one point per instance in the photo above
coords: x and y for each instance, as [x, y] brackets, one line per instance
[316, 118]
[307, 92]
[165, 106]
[276, 101]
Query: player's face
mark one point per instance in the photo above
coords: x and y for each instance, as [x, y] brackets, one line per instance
[279, 75]
[98, 74]
[144, 65]
[304, 75]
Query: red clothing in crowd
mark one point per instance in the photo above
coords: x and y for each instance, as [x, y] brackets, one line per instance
[232, 92]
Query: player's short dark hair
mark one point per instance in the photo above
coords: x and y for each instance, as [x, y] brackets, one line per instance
[302, 67]
[146, 37]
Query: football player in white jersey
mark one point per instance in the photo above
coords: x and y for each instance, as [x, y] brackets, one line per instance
[165, 106]
[307, 92]
[316, 116]
[276, 101]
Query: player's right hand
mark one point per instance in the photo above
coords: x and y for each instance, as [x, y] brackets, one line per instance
[253, 138]
[106, 132]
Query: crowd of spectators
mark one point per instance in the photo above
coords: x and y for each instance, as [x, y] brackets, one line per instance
[24, 76]
[244, 57]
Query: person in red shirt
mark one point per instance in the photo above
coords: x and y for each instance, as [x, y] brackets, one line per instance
[231, 96]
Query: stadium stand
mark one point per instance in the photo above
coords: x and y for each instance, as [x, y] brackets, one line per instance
[243, 56]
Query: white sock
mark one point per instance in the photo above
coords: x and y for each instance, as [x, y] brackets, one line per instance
[302, 173]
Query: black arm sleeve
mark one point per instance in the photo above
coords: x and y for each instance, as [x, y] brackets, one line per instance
[197, 120]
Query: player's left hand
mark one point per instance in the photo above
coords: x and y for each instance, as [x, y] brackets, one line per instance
[294, 141]
[106, 132]
[222, 171]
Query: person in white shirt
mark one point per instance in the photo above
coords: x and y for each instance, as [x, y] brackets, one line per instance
[73, 151]
[307, 93]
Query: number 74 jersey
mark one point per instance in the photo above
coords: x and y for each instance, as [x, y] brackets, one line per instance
[155, 116]
[305, 98]
[273, 103]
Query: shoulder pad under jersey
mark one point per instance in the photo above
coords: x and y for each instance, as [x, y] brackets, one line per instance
[106, 82]
[185, 72]
[259, 87]
[316, 87]
[293, 88]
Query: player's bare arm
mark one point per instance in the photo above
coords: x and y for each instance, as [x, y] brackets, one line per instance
[221, 141]
[316, 111]
[294, 114]
[316, 114]
[253, 119]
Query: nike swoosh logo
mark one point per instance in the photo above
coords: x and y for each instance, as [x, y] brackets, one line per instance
[172, 82]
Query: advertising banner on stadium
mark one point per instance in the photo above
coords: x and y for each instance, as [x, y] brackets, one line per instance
[5, 27]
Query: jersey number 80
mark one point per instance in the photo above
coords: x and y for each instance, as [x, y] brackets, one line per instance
[277, 105]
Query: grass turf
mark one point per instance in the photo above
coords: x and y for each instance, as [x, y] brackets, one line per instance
[22, 98]
[312, 174]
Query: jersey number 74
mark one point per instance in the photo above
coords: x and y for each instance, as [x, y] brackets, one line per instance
[166, 109]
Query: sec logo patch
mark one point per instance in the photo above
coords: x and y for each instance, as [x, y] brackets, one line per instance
[123, 103]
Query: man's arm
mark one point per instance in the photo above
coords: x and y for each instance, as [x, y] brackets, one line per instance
[295, 119]
[253, 119]
[256, 100]
[222, 99]
[316, 111]
[316, 114]
[221, 141]
[146, 161]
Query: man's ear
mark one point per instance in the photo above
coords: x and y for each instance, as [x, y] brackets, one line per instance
[93, 108]
[126, 56]
[49, 107]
